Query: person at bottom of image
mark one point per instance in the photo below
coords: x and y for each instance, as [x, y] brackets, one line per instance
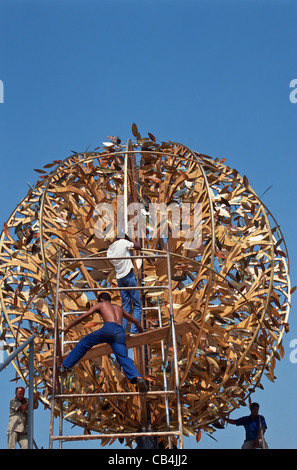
[17, 430]
[255, 427]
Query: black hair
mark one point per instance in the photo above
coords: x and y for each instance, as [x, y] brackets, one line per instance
[104, 296]
[122, 235]
[255, 405]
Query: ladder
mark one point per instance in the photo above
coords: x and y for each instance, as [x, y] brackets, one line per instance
[57, 393]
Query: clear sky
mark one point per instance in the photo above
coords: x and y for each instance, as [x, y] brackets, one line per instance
[214, 75]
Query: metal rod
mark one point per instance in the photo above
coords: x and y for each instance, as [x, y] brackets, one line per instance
[115, 394]
[150, 308]
[115, 435]
[164, 374]
[55, 349]
[126, 188]
[31, 397]
[179, 409]
[16, 352]
[99, 258]
[61, 381]
[74, 312]
[97, 289]
[62, 328]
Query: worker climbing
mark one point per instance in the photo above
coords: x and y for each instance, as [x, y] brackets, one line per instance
[112, 333]
[125, 276]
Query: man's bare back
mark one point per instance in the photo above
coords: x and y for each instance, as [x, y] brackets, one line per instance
[110, 312]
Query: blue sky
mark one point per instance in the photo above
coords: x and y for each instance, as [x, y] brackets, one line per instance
[213, 75]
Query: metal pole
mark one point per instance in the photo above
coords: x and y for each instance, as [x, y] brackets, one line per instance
[164, 374]
[55, 350]
[116, 435]
[179, 410]
[126, 189]
[31, 398]
[100, 289]
[108, 258]
[16, 352]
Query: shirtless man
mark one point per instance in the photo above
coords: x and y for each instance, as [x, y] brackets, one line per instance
[112, 333]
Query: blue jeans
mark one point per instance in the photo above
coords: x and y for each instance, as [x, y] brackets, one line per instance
[127, 295]
[110, 333]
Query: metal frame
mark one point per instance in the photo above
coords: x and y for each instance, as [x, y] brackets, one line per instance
[57, 347]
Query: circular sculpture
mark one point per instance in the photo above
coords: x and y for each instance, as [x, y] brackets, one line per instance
[233, 285]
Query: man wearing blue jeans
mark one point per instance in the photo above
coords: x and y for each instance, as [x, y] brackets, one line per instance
[126, 278]
[112, 333]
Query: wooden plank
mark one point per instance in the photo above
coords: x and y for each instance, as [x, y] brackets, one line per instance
[148, 337]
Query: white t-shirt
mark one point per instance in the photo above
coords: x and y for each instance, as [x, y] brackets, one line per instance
[117, 249]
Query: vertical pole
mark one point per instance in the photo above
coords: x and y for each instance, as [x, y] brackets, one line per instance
[31, 397]
[179, 410]
[55, 350]
[126, 188]
[164, 375]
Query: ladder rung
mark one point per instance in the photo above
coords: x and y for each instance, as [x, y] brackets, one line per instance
[115, 435]
[98, 289]
[114, 394]
[150, 308]
[100, 258]
[74, 312]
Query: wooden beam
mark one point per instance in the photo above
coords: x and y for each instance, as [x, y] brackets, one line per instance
[148, 337]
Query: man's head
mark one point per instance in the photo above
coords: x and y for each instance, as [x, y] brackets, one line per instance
[123, 236]
[20, 393]
[254, 408]
[104, 297]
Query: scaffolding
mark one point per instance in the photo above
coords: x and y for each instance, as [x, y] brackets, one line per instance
[162, 334]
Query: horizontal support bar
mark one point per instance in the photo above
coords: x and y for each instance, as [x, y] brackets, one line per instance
[105, 258]
[84, 311]
[74, 313]
[98, 289]
[150, 308]
[114, 394]
[115, 435]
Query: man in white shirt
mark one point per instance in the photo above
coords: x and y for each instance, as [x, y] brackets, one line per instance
[126, 278]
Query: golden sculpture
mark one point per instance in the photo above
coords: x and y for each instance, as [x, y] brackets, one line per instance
[233, 287]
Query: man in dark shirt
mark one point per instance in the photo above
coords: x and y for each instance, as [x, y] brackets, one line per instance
[255, 426]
